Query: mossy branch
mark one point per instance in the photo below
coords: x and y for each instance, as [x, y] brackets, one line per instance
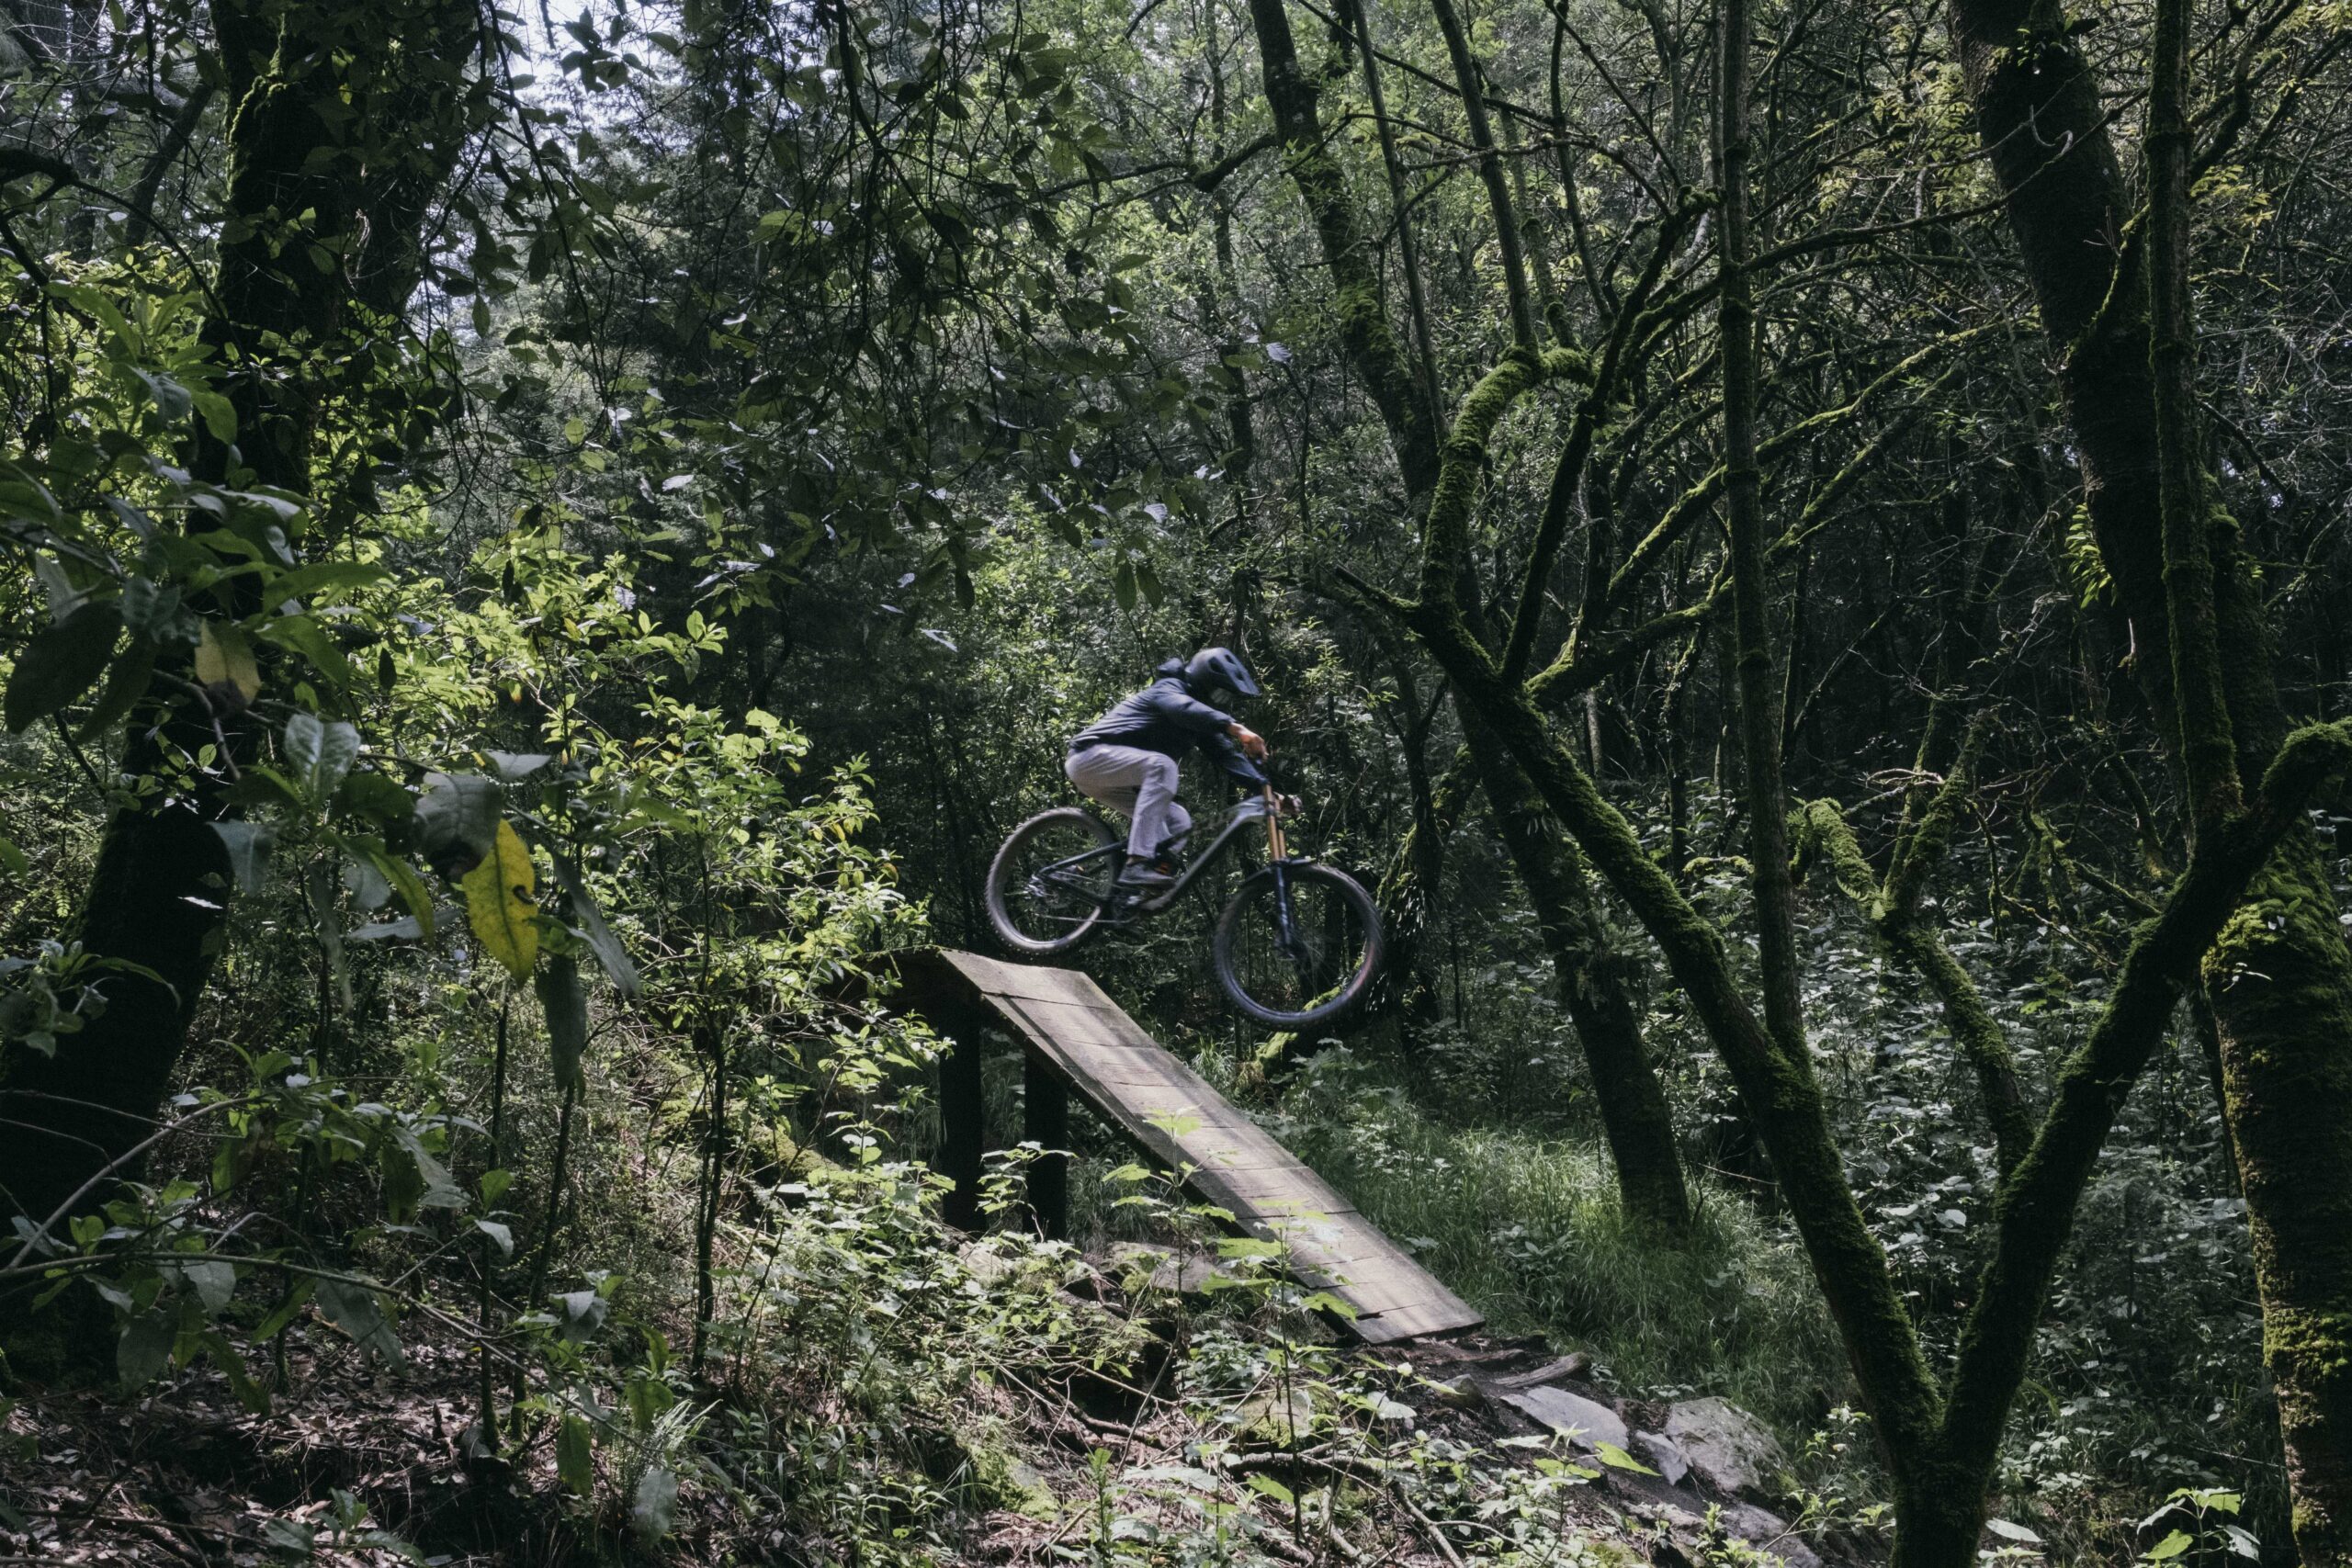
[1567, 474]
[1446, 540]
[1824, 835]
[1890, 907]
[1780, 1091]
[2037, 1204]
[1694, 502]
[1925, 840]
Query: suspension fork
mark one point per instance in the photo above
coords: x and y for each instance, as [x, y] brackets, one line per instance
[1278, 854]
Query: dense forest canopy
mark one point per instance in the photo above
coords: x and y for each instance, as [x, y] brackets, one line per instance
[1798, 550]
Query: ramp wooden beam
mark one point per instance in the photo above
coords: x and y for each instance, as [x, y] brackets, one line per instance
[1082, 1039]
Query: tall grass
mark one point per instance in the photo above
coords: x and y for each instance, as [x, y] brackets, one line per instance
[1529, 1229]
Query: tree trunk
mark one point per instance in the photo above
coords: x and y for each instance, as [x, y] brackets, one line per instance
[159, 894]
[2281, 976]
[1939, 1526]
[1649, 1163]
[1371, 344]
[1408, 252]
[1598, 988]
[1764, 795]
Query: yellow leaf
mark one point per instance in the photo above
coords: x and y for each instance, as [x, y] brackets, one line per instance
[223, 657]
[498, 903]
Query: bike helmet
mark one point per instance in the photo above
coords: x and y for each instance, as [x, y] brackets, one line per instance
[1219, 667]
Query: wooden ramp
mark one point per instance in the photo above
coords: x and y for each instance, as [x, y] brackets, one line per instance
[1083, 1040]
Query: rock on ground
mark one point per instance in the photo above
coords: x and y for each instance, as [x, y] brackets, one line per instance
[1728, 1449]
[1587, 1421]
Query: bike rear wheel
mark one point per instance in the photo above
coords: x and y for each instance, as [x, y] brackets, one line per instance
[1305, 965]
[1048, 884]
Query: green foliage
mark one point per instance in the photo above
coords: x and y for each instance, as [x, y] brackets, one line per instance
[813, 417]
[1532, 1228]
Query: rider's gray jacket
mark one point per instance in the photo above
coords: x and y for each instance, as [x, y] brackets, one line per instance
[1165, 717]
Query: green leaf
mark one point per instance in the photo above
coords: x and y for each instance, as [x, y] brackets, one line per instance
[60, 664]
[214, 1281]
[1267, 1486]
[127, 681]
[318, 887]
[13, 860]
[653, 1511]
[648, 1399]
[501, 1236]
[248, 844]
[575, 1464]
[223, 657]
[583, 1314]
[155, 611]
[144, 1349]
[296, 1296]
[251, 1394]
[410, 886]
[310, 639]
[2170, 1548]
[498, 902]
[172, 400]
[610, 953]
[311, 582]
[219, 415]
[440, 1191]
[23, 496]
[1123, 585]
[456, 820]
[515, 766]
[355, 1309]
[380, 799]
[369, 888]
[565, 1004]
[321, 752]
[1618, 1458]
[290, 1541]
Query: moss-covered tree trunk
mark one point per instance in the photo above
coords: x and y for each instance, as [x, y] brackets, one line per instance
[1599, 993]
[1762, 794]
[2281, 976]
[1371, 342]
[1941, 1439]
[1600, 988]
[308, 178]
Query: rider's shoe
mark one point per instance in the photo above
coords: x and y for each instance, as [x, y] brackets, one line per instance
[1145, 876]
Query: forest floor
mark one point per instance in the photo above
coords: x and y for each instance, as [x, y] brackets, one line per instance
[360, 1463]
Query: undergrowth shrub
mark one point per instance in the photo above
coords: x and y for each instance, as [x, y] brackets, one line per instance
[1531, 1229]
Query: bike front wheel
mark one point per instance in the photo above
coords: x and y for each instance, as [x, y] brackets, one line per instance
[1298, 945]
[1048, 884]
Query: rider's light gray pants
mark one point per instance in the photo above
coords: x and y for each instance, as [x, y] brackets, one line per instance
[1141, 783]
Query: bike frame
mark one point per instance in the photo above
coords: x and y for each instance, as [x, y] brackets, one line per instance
[1261, 810]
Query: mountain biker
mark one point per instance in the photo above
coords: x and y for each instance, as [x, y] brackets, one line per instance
[1127, 758]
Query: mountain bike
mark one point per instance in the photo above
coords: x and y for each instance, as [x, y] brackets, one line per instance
[1296, 946]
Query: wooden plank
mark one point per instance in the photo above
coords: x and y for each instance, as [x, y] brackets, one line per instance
[1075, 1032]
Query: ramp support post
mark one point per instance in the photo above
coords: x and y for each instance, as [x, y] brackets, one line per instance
[961, 1114]
[1046, 1123]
